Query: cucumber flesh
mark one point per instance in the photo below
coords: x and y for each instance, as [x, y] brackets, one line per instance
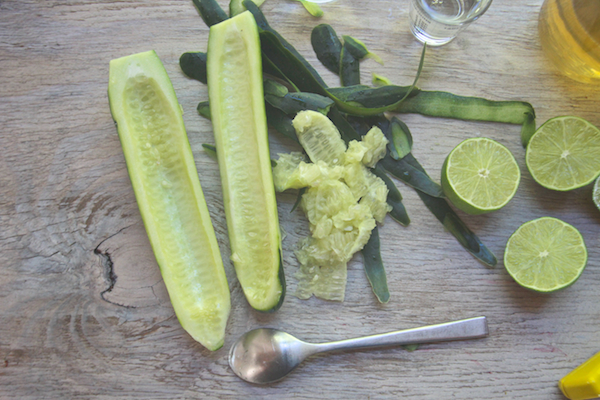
[235, 89]
[167, 189]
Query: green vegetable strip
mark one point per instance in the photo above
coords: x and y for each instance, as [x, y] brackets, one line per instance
[292, 67]
[280, 121]
[297, 69]
[211, 150]
[236, 7]
[275, 88]
[446, 215]
[327, 46]
[210, 11]
[394, 198]
[291, 103]
[264, 26]
[400, 139]
[203, 109]
[371, 97]
[347, 131]
[448, 105]
[374, 267]
[359, 50]
[294, 102]
[412, 176]
[270, 68]
[193, 64]
[528, 129]
[298, 199]
[349, 68]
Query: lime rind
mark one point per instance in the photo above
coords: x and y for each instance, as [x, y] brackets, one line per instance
[480, 175]
[545, 255]
[564, 153]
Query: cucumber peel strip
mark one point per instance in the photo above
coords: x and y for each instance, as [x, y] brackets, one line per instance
[374, 268]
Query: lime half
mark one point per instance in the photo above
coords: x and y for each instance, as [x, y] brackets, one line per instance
[545, 255]
[597, 193]
[564, 153]
[480, 175]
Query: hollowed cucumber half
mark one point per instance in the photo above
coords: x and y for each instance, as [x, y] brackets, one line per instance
[235, 89]
[167, 189]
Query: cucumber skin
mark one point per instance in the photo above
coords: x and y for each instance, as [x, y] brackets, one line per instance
[156, 68]
[250, 29]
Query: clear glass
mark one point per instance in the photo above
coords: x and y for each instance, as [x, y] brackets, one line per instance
[437, 22]
[570, 36]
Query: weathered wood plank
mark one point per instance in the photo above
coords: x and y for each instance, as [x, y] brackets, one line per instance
[83, 310]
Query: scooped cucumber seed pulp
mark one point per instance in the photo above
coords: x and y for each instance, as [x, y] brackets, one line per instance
[343, 201]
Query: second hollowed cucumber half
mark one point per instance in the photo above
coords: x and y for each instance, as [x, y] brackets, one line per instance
[235, 88]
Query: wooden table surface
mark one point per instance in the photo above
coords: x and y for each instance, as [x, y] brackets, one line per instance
[83, 310]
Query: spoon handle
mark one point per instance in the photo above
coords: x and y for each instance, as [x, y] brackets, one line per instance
[472, 328]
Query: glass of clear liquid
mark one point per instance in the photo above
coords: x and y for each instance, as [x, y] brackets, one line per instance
[437, 22]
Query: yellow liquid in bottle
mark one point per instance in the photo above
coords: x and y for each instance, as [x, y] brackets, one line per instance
[570, 35]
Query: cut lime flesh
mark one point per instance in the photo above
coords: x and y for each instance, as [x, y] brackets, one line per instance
[480, 175]
[564, 153]
[545, 255]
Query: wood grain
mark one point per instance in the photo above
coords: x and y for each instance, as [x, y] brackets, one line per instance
[83, 310]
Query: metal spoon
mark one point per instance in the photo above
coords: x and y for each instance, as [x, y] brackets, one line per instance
[267, 355]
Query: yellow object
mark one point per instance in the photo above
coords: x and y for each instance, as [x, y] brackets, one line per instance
[570, 36]
[584, 381]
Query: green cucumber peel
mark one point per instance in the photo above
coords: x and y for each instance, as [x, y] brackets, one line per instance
[297, 69]
[394, 198]
[274, 36]
[236, 7]
[400, 138]
[298, 199]
[413, 177]
[211, 150]
[327, 46]
[349, 68]
[210, 11]
[281, 122]
[193, 65]
[528, 128]
[445, 214]
[449, 105]
[359, 50]
[203, 109]
[278, 96]
[274, 88]
[374, 268]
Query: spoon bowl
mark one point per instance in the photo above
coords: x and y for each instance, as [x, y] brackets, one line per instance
[267, 355]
